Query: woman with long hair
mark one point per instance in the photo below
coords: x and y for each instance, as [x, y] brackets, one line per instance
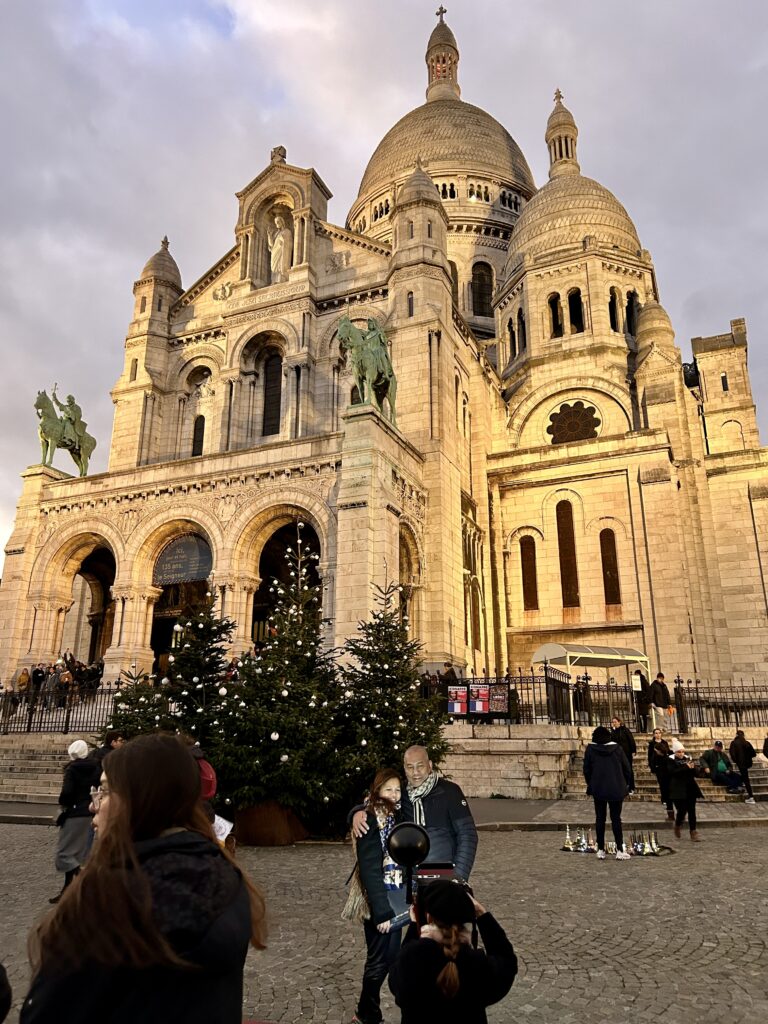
[157, 925]
[384, 885]
[659, 753]
[440, 975]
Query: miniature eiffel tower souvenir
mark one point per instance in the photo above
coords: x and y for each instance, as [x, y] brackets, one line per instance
[591, 844]
[655, 842]
[568, 842]
[583, 841]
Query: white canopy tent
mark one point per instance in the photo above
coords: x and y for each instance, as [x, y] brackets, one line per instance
[578, 655]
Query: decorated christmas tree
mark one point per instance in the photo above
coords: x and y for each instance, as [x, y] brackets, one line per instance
[381, 712]
[273, 734]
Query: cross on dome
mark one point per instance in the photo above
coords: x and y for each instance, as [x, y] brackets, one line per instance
[558, 96]
[441, 11]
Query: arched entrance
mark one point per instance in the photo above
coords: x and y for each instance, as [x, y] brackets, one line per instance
[182, 569]
[88, 624]
[273, 565]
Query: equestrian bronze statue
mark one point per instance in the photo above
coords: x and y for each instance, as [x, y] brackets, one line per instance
[371, 366]
[67, 431]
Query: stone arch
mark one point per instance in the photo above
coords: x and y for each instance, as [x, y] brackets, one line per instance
[549, 393]
[250, 529]
[153, 533]
[550, 501]
[732, 434]
[271, 194]
[271, 325]
[522, 531]
[594, 526]
[67, 548]
[356, 312]
[206, 355]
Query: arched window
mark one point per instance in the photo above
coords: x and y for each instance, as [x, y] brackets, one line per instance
[198, 435]
[160, 304]
[410, 303]
[566, 546]
[512, 339]
[631, 313]
[452, 191]
[522, 338]
[454, 283]
[613, 309]
[575, 311]
[410, 229]
[475, 609]
[610, 562]
[528, 569]
[555, 316]
[456, 385]
[482, 289]
[429, 229]
[354, 397]
[273, 381]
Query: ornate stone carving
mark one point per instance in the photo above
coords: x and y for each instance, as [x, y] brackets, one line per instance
[337, 261]
[222, 291]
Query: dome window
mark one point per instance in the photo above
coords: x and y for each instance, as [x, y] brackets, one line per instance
[631, 313]
[577, 422]
[556, 328]
[613, 309]
[575, 311]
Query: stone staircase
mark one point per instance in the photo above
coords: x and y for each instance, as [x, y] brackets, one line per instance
[31, 766]
[646, 787]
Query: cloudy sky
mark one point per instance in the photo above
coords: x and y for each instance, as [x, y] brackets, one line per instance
[124, 120]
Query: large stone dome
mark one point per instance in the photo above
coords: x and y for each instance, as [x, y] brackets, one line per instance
[566, 210]
[448, 135]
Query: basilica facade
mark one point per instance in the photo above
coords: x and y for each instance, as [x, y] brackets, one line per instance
[554, 472]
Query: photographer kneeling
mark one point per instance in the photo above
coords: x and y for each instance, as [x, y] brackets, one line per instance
[439, 974]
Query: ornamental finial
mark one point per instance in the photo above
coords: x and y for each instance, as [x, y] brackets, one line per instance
[440, 12]
[558, 96]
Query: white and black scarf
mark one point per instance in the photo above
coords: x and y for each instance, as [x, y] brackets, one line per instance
[417, 794]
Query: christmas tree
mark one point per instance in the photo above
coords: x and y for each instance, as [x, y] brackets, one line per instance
[381, 712]
[273, 735]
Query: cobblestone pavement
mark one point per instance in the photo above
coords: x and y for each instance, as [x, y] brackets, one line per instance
[684, 936]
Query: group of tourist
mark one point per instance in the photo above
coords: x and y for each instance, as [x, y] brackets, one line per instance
[49, 686]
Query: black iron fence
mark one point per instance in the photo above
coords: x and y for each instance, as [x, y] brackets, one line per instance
[550, 697]
[57, 712]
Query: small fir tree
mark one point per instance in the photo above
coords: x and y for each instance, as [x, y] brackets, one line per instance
[274, 739]
[381, 711]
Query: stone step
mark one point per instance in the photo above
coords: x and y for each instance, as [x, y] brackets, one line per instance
[23, 797]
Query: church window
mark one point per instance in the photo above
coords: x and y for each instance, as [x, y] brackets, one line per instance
[522, 337]
[476, 616]
[444, 191]
[456, 385]
[486, 194]
[610, 564]
[503, 198]
[482, 289]
[160, 305]
[613, 309]
[471, 191]
[454, 282]
[375, 213]
[575, 311]
[566, 545]
[143, 305]
[429, 229]
[577, 422]
[134, 369]
[386, 206]
[410, 229]
[631, 313]
[555, 316]
[724, 381]
[528, 569]
[452, 191]
[410, 303]
[273, 379]
[512, 339]
[198, 435]
[464, 404]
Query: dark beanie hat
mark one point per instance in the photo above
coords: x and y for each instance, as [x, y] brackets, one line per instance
[601, 735]
[447, 902]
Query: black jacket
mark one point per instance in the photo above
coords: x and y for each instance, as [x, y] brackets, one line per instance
[484, 978]
[625, 740]
[370, 859]
[658, 757]
[742, 753]
[450, 825]
[75, 796]
[682, 781]
[607, 771]
[660, 694]
[201, 906]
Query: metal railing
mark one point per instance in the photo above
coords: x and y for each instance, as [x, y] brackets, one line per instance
[74, 711]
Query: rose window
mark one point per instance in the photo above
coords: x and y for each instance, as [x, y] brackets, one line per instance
[577, 422]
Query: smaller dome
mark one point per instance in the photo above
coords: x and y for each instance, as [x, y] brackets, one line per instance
[653, 324]
[442, 36]
[418, 186]
[163, 265]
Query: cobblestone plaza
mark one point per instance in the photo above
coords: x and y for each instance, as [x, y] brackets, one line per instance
[682, 936]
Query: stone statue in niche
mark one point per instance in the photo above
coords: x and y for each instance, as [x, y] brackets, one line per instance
[280, 243]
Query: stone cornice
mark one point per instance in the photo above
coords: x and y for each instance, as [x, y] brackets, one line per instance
[328, 230]
[208, 278]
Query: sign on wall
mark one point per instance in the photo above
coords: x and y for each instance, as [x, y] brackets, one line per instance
[183, 560]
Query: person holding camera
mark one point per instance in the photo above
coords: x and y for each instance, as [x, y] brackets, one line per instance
[684, 789]
[384, 885]
[440, 975]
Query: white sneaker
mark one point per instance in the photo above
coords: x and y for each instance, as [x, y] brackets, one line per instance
[749, 800]
[622, 855]
[601, 854]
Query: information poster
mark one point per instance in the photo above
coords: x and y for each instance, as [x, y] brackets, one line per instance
[479, 699]
[498, 699]
[457, 700]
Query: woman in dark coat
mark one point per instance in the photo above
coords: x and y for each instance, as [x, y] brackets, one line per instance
[384, 886]
[74, 820]
[608, 775]
[743, 754]
[658, 761]
[684, 789]
[620, 734]
[439, 974]
[157, 925]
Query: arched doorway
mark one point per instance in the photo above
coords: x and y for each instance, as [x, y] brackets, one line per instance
[88, 624]
[182, 569]
[273, 565]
